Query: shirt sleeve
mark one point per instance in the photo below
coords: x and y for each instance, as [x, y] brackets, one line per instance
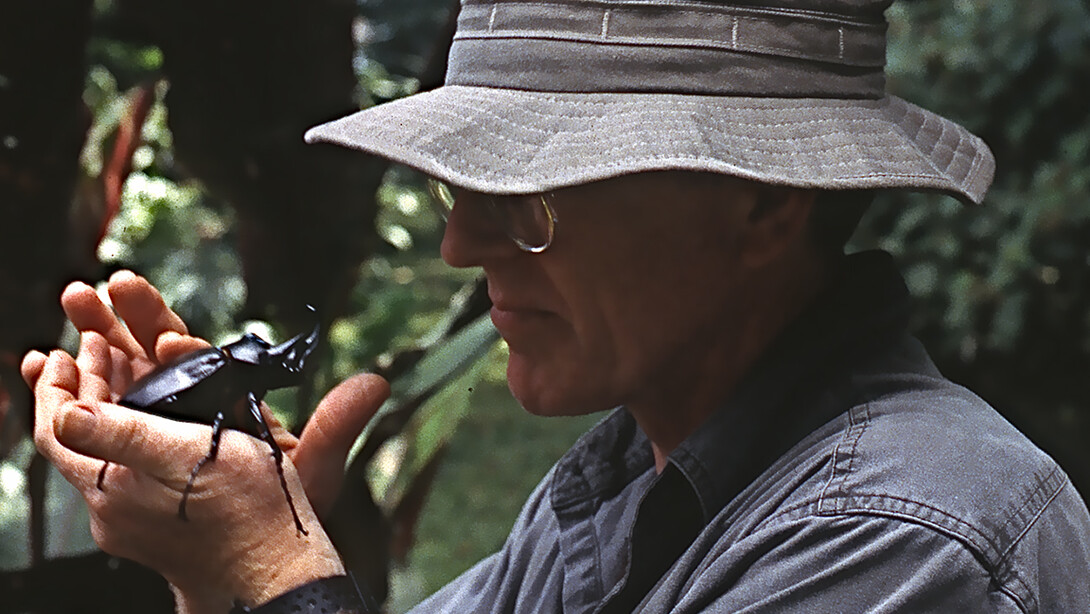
[850, 563]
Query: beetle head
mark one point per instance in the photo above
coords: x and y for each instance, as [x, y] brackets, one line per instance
[293, 352]
[276, 364]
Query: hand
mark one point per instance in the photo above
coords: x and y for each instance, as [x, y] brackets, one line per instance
[222, 552]
[146, 333]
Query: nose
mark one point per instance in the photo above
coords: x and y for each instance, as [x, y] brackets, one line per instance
[472, 236]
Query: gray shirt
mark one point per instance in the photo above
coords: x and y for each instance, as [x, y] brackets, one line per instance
[844, 475]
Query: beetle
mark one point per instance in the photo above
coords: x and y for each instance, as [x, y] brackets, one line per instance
[223, 387]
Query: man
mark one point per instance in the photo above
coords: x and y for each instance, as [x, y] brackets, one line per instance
[658, 194]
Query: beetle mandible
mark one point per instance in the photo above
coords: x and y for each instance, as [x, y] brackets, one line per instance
[223, 387]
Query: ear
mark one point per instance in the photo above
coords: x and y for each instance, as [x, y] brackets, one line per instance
[777, 223]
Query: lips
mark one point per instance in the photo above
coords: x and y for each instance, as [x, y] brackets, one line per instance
[516, 320]
[505, 301]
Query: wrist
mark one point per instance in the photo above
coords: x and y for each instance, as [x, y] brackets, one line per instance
[191, 602]
[258, 572]
[340, 594]
[266, 579]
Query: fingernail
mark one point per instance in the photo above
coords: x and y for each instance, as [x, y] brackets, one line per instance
[122, 275]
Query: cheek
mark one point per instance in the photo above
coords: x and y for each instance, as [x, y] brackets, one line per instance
[591, 362]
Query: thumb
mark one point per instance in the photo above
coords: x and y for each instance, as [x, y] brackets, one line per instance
[329, 434]
[149, 443]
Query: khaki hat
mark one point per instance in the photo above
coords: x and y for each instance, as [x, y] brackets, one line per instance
[546, 94]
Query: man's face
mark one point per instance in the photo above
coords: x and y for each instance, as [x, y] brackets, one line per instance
[638, 287]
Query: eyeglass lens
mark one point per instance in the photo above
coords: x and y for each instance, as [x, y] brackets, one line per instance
[527, 219]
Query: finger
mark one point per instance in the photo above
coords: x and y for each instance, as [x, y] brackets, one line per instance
[141, 441]
[284, 438]
[95, 366]
[54, 391]
[171, 345]
[58, 384]
[86, 310]
[31, 367]
[143, 309]
[121, 376]
[331, 432]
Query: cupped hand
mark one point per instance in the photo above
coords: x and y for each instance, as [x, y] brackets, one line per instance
[144, 333]
[234, 545]
[238, 542]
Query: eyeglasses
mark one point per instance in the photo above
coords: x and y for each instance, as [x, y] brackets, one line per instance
[528, 219]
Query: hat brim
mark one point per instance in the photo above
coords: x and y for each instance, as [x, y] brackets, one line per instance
[514, 141]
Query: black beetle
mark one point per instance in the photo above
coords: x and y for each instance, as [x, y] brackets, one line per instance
[223, 387]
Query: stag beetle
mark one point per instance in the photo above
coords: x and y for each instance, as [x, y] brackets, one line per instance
[223, 387]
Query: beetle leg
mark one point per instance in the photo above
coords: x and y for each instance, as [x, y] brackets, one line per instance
[213, 449]
[278, 456]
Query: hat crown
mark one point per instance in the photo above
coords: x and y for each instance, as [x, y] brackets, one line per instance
[825, 48]
[543, 94]
[872, 9]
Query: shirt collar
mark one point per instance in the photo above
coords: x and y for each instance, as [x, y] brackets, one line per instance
[800, 383]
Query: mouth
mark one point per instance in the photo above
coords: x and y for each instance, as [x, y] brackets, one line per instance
[519, 323]
[521, 319]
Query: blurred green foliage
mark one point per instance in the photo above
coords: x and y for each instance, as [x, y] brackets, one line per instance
[1003, 290]
[1012, 73]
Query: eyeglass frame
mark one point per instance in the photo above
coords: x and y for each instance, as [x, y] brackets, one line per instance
[442, 199]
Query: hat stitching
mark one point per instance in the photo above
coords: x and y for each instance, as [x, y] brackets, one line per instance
[730, 136]
[701, 158]
[682, 158]
[676, 105]
[737, 15]
[963, 142]
[936, 181]
[682, 42]
[603, 99]
[658, 116]
[974, 161]
[921, 139]
[757, 14]
[657, 120]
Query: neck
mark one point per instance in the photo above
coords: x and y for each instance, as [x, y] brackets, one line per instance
[705, 377]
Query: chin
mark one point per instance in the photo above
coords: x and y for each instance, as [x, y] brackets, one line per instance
[542, 394]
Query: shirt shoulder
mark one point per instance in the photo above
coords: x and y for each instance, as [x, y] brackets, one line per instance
[923, 478]
[938, 455]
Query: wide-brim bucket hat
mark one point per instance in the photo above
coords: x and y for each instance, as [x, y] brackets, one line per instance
[541, 95]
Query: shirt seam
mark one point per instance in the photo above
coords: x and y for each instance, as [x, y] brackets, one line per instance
[834, 499]
[958, 529]
[852, 435]
[813, 509]
[1041, 486]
